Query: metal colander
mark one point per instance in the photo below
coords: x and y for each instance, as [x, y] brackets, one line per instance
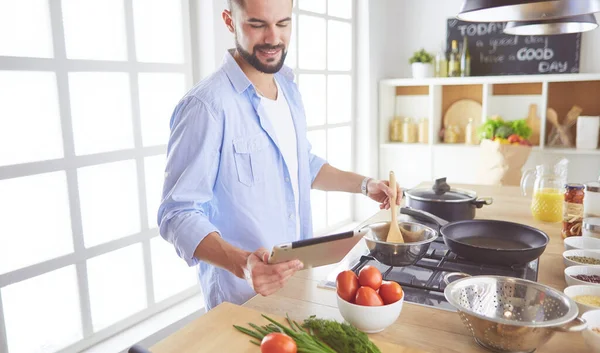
[506, 314]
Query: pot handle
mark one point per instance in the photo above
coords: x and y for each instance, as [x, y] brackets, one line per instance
[570, 328]
[422, 215]
[481, 201]
[454, 274]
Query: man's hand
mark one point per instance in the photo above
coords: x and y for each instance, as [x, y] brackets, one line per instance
[267, 279]
[380, 191]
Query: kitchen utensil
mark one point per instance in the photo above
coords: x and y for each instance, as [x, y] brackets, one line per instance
[461, 111]
[417, 238]
[445, 202]
[593, 254]
[489, 242]
[138, 349]
[581, 243]
[587, 270]
[370, 319]
[394, 235]
[591, 200]
[591, 227]
[548, 190]
[591, 337]
[534, 123]
[507, 314]
[559, 130]
[580, 290]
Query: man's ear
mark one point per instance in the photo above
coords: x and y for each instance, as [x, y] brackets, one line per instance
[228, 19]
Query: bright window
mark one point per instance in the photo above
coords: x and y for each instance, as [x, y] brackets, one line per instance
[87, 89]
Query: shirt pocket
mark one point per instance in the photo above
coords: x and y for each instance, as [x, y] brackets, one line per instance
[250, 155]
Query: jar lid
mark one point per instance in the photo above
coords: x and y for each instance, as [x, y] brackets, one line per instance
[574, 186]
[592, 224]
[593, 186]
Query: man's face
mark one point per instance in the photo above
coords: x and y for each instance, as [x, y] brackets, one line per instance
[262, 32]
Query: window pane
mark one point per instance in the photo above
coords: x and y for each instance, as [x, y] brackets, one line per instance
[338, 208]
[318, 141]
[339, 98]
[117, 285]
[25, 28]
[313, 5]
[171, 274]
[311, 40]
[339, 147]
[42, 314]
[158, 31]
[49, 235]
[109, 201]
[319, 209]
[312, 88]
[291, 58]
[101, 111]
[339, 45]
[155, 170]
[340, 8]
[159, 94]
[94, 30]
[33, 132]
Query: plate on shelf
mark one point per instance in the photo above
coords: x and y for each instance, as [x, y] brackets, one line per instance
[461, 111]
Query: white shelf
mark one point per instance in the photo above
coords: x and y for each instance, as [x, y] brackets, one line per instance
[443, 81]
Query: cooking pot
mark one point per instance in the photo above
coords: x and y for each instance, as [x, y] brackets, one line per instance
[445, 202]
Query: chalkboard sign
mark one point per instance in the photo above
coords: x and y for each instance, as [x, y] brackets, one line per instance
[496, 53]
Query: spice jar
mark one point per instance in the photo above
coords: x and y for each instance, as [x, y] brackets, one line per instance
[396, 130]
[451, 134]
[591, 202]
[409, 131]
[573, 210]
[591, 227]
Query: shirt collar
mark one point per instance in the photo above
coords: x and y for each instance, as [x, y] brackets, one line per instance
[238, 78]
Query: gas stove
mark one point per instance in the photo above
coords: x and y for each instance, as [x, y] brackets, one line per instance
[423, 282]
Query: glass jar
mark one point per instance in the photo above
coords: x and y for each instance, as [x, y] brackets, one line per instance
[591, 202]
[396, 130]
[451, 134]
[573, 210]
[409, 131]
[591, 227]
[424, 130]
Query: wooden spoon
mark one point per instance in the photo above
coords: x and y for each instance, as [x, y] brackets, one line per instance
[552, 116]
[394, 234]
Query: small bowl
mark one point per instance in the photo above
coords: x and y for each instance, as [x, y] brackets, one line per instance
[574, 291]
[572, 271]
[592, 339]
[581, 243]
[370, 319]
[589, 253]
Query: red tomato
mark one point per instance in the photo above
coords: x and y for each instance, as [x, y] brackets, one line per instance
[370, 276]
[278, 343]
[347, 285]
[368, 296]
[390, 292]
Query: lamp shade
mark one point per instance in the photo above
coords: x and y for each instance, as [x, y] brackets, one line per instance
[524, 10]
[574, 24]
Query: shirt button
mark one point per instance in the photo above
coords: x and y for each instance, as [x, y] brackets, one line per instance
[287, 180]
[291, 216]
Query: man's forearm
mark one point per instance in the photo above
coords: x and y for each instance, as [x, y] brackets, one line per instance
[332, 179]
[216, 251]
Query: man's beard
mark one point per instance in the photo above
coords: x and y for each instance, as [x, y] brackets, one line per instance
[253, 60]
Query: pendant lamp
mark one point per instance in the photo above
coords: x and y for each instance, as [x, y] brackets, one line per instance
[574, 24]
[524, 10]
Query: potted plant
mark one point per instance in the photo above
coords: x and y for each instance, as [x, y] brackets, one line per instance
[422, 64]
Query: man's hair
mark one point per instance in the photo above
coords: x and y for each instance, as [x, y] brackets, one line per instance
[239, 3]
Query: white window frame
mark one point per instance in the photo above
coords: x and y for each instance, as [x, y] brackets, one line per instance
[61, 66]
[352, 72]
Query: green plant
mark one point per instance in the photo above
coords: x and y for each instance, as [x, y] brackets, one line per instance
[421, 56]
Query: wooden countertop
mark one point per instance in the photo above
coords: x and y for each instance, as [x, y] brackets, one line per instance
[424, 328]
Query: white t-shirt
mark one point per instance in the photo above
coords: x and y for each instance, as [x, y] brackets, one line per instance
[280, 117]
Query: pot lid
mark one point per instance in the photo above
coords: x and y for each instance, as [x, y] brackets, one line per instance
[441, 191]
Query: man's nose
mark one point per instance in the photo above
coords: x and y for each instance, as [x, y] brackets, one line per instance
[272, 35]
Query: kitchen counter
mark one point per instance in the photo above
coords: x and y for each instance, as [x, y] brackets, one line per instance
[419, 327]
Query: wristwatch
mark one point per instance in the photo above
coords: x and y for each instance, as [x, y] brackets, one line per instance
[363, 186]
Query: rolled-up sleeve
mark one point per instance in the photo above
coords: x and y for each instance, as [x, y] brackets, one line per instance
[193, 156]
[315, 163]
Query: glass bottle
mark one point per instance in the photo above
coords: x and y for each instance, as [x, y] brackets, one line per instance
[424, 130]
[441, 63]
[573, 210]
[465, 59]
[454, 61]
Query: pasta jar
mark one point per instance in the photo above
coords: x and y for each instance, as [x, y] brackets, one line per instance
[591, 202]
[573, 210]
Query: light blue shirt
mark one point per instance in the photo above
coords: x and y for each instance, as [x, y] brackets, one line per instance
[226, 174]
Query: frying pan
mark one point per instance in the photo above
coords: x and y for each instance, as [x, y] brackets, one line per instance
[488, 242]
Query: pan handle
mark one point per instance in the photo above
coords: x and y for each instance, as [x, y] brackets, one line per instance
[570, 328]
[422, 215]
[481, 201]
[454, 274]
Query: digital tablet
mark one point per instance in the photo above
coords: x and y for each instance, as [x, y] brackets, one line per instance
[317, 251]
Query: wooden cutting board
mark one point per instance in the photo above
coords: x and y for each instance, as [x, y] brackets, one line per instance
[214, 332]
[461, 111]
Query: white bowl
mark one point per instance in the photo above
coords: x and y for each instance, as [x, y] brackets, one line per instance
[592, 339]
[370, 319]
[589, 253]
[574, 291]
[572, 271]
[583, 243]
